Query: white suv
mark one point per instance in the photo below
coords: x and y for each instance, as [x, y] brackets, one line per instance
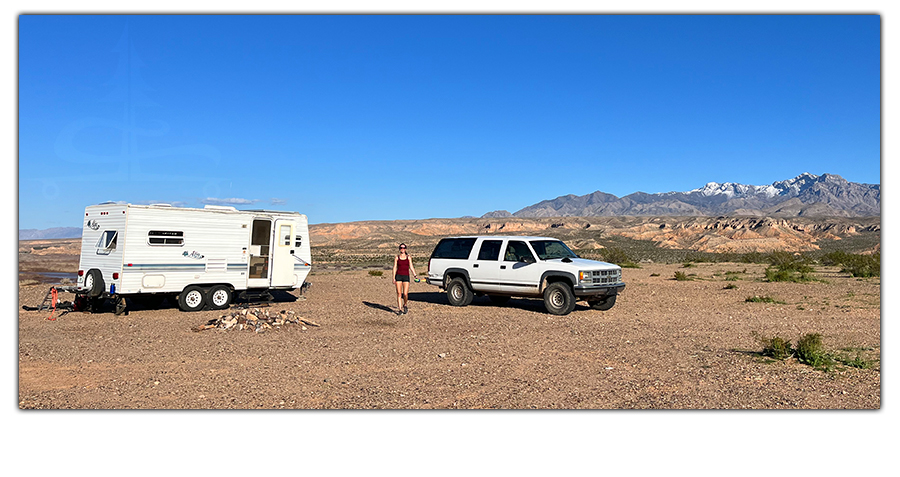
[501, 267]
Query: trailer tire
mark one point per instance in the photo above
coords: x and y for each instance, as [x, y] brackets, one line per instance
[192, 299]
[93, 282]
[219, 297]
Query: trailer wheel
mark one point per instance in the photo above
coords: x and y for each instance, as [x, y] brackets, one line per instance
[219, 297]
[192, 299]
[93, 282]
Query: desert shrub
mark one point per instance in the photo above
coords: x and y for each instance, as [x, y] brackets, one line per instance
[682, 277]
[789, 262]
[376, 273]
[837, 257]
[730, 286]
[856, 362]
[701, 258]
[763, 299]
[654, 274]
[787, 267]
[863, 266]
[688, 265]
[731, 278]
[753, 257]
[776, 347]
[811, 351]
[614, 255]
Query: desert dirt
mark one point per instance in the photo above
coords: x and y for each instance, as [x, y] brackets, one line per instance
[666, 344]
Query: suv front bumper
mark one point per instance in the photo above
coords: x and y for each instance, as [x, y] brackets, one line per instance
[593, 291]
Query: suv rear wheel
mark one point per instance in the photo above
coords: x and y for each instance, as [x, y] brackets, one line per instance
[559, 299]
[458, 292]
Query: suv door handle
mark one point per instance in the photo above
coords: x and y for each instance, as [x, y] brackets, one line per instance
[475, 266]
[502, 267]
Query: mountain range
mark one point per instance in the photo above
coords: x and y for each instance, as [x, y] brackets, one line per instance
[807, 195]
[52, 233]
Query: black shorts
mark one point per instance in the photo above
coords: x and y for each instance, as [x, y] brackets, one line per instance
[401, 278]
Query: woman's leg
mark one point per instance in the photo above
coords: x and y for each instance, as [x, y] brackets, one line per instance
[399, 295]
[405, 293]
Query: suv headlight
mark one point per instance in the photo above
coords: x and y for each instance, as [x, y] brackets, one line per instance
[584, 276]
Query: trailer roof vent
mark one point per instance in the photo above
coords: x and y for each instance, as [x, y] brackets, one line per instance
[220, 207]
[161, 205]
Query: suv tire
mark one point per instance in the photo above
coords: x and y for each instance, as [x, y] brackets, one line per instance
[458, 292]
[604, 304]
[559, 299]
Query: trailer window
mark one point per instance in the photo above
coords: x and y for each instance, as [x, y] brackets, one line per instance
[298, 240]
[165, 237]
[108, 240]
[285, 231]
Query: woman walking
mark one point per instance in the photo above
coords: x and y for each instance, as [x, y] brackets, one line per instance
[402, 266]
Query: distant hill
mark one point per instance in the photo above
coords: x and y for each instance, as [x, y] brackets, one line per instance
[806, 195]
[53, 233]
[368, 239]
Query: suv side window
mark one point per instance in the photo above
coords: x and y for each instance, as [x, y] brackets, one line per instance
[516, 250]
[490, 250]
[458, 248]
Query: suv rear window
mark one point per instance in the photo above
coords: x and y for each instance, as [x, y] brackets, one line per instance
[490, 250]
[458, 248]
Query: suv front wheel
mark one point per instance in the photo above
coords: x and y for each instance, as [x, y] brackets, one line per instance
[458, 292]
[559, 299]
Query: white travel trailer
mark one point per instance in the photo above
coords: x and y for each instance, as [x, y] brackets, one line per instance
[201, 256]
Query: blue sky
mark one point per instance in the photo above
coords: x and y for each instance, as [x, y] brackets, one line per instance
[405, 117]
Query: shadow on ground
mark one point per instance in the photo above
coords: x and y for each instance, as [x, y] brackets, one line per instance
[378, 306]
[531, 304]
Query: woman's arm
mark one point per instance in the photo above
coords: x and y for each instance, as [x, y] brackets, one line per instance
[394, 271]
[412, 268]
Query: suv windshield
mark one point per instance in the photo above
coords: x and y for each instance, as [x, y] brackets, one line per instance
[550, 249]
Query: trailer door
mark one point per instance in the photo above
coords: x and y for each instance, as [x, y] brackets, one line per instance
[282, 259]
[260, 247]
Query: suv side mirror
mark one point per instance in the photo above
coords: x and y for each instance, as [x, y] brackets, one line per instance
[526, 259]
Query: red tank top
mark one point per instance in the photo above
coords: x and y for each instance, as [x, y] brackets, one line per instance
[402, 265]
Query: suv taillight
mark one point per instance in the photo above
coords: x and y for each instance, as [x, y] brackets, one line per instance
[428, 272]
[80, 273]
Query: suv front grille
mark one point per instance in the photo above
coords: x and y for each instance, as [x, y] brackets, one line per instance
[605, 277]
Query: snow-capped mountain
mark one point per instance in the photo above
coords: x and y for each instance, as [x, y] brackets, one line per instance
[804, 195]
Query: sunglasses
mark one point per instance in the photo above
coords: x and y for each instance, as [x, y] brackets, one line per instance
[402, 248]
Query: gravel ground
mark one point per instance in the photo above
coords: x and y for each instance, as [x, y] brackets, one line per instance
[665, 345]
